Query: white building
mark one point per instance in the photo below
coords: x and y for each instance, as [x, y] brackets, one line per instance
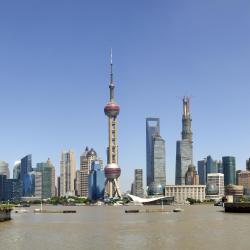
[215, 186]
[182, 192]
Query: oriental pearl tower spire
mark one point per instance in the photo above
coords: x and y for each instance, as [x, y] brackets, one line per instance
[112, 170]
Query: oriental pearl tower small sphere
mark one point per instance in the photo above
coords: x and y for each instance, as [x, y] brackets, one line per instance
[112, 109]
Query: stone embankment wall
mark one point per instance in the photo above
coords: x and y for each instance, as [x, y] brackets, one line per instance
[5, 214]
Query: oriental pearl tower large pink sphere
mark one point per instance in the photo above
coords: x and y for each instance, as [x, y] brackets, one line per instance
[112, 170]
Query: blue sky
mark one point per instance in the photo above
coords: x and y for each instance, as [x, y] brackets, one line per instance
[54, 74]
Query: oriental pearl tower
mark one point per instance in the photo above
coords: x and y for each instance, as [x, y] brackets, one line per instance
[112, 170]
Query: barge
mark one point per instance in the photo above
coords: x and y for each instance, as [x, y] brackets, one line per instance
[237, 207]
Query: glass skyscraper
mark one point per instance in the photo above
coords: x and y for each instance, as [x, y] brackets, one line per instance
[202, 172]
[152, 128]
[229, 170]
[159, 163]
[26, 168]
[211, 165]
[96, 180]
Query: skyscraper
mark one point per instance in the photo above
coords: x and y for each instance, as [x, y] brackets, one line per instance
[229, 170]
[53, 179]
[112, 170]
[4, 169]
[184, 148]
[86, 159]
[68, 172]
[211, 165]
[17, 170]
[26, 168]
[46, 171]
[138, 183]
[202, 172]
[152, 128]
[96, 182]
[158, 158]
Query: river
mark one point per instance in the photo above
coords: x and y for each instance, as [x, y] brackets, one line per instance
[106, 227]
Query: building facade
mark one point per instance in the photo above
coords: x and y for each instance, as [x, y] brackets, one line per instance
[215, 186]
[211, 165]
[26, 168]
[152, 129]
[68, 172]
[96, 182]
[182, 192]
[202, 172]
[159, 162]
[138, 183]
[244, 180]
[4, 169]
[228, 163]
[184, 148]
[17, 170]
[191, 176]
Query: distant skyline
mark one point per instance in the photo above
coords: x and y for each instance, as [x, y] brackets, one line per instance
[54, 76]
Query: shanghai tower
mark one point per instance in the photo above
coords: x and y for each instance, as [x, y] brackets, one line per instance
[184, 148]
[112, 170]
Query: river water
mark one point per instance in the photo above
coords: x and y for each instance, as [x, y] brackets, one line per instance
[105, 227]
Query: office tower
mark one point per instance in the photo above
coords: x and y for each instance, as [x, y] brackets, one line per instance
[26, 167]
[13, 190]
[78, 183]
[184, 148]
[228, 163]
[211, 165]
[58, 186]
[2, 186]
[152, 128]
[158, 158]
[86, 159]
[248, 164]
[33, 184]
[53, 179]
[220, 167]
[191, 176]
[215, 184]
[244, 180]
[138, 183]
[17, 170]
[96, 182]
[68, 172]
[112, 170]
[4, 169]
[46, 170]
[202, 172]
[237, 172]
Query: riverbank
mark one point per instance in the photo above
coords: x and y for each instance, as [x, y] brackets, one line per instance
[5, 213]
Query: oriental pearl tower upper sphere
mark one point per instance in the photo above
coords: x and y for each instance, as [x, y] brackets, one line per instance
[112, 109]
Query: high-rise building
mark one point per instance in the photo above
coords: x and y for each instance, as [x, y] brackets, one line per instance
[46, 170]
[191, 176]
[96, 182]
[202, 172]
[152, 128]
[68, 172]
[112, 170]
[228, 163]
[220, 167]
[211, 165]
[26, 168]
[158, 160]
[33, 184]
[244, 180]
[4, 169]
[215, 185]
[58, 186]
[17, 170]
[53, 179]
[86, 159]
[248, 164]
[13, 190]
[138, 183]
[184, 148]
[2, 186]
